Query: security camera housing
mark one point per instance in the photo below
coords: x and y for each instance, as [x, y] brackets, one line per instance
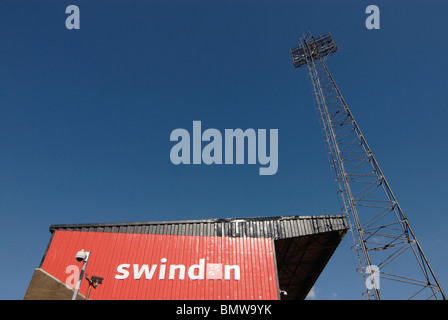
[81, 256]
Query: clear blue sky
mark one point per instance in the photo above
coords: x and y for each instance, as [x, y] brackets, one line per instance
[86, 116]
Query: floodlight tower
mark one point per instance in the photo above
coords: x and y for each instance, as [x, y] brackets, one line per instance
[389, 254]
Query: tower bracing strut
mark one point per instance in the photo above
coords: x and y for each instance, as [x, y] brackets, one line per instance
[391, 259]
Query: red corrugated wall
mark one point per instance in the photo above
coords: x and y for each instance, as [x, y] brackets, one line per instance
[252, 258]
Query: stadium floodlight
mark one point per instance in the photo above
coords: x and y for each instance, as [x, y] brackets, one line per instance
[311, 49]
[383, 239]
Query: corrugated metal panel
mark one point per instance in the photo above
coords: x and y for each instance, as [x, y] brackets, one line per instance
[251, 258]
[269, 227]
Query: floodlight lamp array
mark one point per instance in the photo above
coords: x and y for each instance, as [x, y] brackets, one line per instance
[311, 49]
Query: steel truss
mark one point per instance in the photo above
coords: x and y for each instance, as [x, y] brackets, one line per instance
[381, 232]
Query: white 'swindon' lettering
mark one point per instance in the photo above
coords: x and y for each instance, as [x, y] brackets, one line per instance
[122, 269]
[198, 271]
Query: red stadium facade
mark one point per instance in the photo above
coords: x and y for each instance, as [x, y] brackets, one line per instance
[232, 259]
[147, 266]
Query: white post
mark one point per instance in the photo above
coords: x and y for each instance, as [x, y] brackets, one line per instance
[81, 275]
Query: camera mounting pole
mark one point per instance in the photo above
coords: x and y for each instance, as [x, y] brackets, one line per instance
[84, 257]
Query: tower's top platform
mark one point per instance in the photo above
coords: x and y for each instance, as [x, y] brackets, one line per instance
[311, 48]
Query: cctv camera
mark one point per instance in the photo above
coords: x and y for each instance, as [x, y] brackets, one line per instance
[81, 255]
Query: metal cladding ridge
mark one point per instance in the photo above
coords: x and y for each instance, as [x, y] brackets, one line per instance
[280, 227]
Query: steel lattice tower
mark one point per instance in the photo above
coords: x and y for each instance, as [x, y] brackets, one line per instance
[383, 239]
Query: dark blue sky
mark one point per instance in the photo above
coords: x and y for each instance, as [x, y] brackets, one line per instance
[86, 116]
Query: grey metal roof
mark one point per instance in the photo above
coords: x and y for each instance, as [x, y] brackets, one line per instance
[280, 227]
